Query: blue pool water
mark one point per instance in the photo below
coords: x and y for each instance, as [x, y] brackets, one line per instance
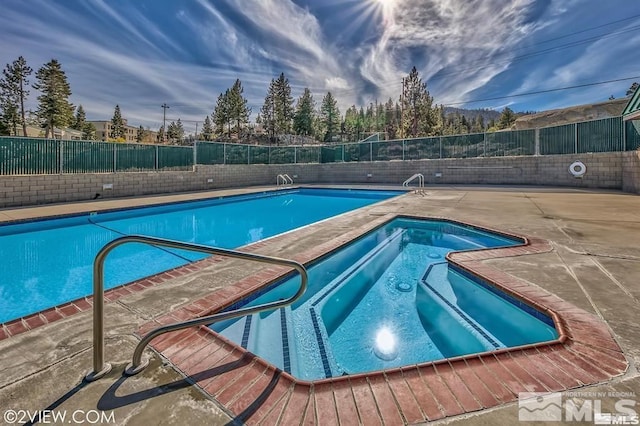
[389, 299]
[49, 262]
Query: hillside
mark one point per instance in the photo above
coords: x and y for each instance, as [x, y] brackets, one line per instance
[557, 117]
[471, 114]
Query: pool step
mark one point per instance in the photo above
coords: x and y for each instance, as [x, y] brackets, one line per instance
[437, 290]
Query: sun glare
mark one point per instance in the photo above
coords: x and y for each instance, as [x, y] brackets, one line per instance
[386, 7]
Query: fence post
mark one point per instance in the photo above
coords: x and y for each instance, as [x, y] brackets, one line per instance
[370, 151]
[624, 136]
[224, 153]
[484, 144]
[440, 138]
[295, 154]
[157, 157]
[61, 156]
[403, 147]
[195, 154]
[115, 156]
[269, 161]
[575, 125]
[343, 152]
[536, 149]
[248, 154]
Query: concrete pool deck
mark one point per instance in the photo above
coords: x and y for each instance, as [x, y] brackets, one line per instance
[593, 262]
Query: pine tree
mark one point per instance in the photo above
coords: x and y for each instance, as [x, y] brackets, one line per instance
[117, 126]
[140, 134]
[207, 129]
[268, 111]
[417, 107]
[283, 105]
[631, 90]
[351, 123]
[4, 130]
[160, 137]
[330, 116]
[88, 131]
[80, 120]
[54, 108]
[13, 91]
[239, 112]
[221, 112]
[305, 114]
[10, 116]
[507, 118]
[179, 132]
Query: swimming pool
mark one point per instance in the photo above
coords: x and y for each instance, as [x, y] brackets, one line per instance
[386, 300]
[49, 262]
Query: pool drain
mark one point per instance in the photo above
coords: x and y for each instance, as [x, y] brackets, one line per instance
[404, 287]
[434, 256]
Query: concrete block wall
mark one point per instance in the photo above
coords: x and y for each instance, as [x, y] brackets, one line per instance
[631, 172]
[604, 170]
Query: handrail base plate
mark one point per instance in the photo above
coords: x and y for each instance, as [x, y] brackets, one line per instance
[95, 375]
[132, 371]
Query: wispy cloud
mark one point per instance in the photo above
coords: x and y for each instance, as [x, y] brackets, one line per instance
[144, 53]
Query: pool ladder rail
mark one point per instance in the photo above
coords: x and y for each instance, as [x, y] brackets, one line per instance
[284, 180]
[420, 177]
[100, 368]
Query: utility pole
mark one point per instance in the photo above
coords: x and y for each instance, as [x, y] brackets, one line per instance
[402, 110]
[164, 107]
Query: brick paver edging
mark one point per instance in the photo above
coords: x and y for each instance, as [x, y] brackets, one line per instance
[256, 392]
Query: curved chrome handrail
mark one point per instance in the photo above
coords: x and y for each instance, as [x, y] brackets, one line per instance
[100, 368]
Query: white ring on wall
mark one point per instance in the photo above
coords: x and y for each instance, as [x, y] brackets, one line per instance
[577, 168]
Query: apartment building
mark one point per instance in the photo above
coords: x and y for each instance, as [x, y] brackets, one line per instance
[103, 130]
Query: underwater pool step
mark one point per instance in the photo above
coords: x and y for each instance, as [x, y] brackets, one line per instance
[437, 287]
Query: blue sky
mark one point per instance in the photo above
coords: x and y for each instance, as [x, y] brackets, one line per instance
[140, 54]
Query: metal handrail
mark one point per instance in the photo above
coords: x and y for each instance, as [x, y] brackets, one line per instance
[418, 176]
[100, 368]
[285, 178]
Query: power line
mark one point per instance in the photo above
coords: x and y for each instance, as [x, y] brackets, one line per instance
[537, 92]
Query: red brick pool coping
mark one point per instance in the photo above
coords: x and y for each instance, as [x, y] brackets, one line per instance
[259, 393]
[256, 392]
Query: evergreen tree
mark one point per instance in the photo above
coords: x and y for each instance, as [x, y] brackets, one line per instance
[268, 111]
[4, 130]
[207, 129]
[13, 91]
[351, 123]
[179, 131]
[419, 117]
[9, 117]
[507, 118]
[80, 120]
[304, 115]
[160, 137]
[117, 126]
[221, 112]
[54, 108]
[329, 116]
[283, 105]
[391, 119]
[631, 90]
[239, 112]
[140, 134]
[88, 131]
